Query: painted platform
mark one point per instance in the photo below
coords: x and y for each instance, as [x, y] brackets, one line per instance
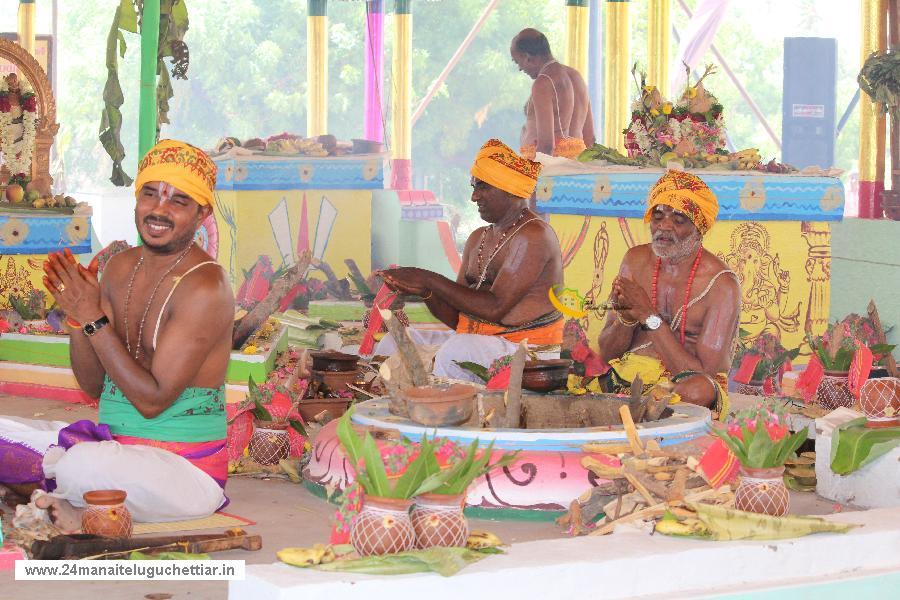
[40, 233]
[261, 172]
[38, 366]
[861, 564]
[548, 474]
[743, 196]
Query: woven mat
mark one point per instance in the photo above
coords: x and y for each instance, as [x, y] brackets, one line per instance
[217, 520]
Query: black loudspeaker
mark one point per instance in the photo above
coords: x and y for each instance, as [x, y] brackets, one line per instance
[808, 104]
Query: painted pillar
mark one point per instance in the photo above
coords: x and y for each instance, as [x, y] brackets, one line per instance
[149, 61]
[595, 65]
[373, 123]
[26, 25]
[616, 111]
[871, 121]
[401, 111]
[317, 68]
[577, 20]
[659, 30]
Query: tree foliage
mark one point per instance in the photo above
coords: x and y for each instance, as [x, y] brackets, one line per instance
[248, 78]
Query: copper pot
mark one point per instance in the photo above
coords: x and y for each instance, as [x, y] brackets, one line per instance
[546, 375]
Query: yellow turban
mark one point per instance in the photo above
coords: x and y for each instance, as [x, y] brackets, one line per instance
[182, 165]
[499, 165]
[687, 194]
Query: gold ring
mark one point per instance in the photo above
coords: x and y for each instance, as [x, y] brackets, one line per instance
[61, 287]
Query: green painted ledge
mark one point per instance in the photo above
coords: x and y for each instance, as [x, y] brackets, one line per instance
[354, 311]
[53, 351]
[48, 350]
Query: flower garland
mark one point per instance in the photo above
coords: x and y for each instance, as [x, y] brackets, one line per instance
[18, 154]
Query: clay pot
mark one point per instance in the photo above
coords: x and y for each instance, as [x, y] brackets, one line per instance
[438, 520]
[334, 381]
[879, 399]
[333, 361]
[833, 392]
[383, 527]
[753, 388]
[106, 515]
[269, 443]
[440, 405]
[546, 375]
[310, 407]
[762, 491]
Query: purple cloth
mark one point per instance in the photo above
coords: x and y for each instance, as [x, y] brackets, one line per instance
[83, 431]
[20, 463]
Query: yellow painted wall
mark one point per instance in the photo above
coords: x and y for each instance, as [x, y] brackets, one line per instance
[19, 275]
[783, 266]
[245, 232]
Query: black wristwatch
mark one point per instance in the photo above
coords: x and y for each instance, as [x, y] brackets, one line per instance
[90, 329]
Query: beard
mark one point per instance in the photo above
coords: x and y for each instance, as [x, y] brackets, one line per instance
[677, 249]
[174, 245]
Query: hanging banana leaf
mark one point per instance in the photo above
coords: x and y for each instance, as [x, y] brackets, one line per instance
[173, 26]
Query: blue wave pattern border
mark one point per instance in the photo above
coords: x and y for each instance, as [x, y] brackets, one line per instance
[301, 173]
[741, 198]
[27, 234]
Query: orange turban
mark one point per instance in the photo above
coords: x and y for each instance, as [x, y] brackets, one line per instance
[687, 194]
[499, 165]
[187, 168]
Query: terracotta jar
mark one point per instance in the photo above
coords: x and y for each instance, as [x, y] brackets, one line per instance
[269, 443]
[438, 520]
[879, 399]
[753, 388]
[105, 514]
[383, 527]
[833, 392]
[762, 491]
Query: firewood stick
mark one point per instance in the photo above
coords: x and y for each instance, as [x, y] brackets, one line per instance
[650, 511]
[631, 430]
[514, 391]
[334, 284]
[409, 356]
[267, 306]
[643, 491]
[676, 490]
[889, 362]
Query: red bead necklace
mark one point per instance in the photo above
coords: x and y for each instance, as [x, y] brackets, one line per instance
[687, 290]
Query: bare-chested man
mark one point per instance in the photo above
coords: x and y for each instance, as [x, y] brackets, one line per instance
[679, 304]
[558, 118]
[152, 340]
[500, 296]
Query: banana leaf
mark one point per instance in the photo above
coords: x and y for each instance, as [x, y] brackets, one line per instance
[853, 445]
[137, 555]
[478, 370]
[443, 561]
[730, 524]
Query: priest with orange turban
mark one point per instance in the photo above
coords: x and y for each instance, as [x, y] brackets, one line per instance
[500, 295]
[676, 305]
[151, 339]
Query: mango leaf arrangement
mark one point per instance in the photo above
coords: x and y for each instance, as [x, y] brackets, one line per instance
[836, 348]
[773, 354]
[460, 472]
[759, 437]
[369, 463]
[262, 398]
[419, 468]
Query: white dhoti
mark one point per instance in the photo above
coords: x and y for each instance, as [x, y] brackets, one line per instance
[161, 485]
[460, 347]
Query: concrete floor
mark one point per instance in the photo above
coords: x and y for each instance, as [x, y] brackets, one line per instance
[286, 515]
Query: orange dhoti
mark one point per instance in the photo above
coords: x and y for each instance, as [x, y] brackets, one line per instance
[566, 147]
